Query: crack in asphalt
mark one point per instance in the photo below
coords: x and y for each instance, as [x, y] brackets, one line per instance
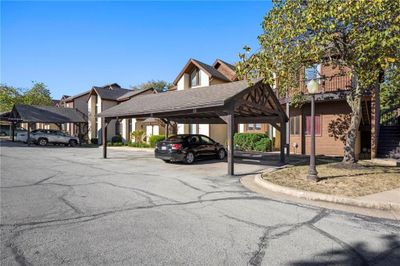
[224, 191]
[258, 255]
[110, 212]
[189, 185]
[72, 206]
[45, 179]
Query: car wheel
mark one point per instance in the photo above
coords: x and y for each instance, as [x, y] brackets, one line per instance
[166, 161]
[221, 154]
[42, 142]
[72, 143]
[189, 158]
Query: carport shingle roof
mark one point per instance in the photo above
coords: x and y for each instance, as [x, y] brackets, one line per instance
[211, 96]
[46, 114]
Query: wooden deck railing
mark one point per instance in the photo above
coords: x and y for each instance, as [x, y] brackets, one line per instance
[329, 84]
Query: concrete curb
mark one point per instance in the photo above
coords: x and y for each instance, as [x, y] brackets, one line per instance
[125, 148]
[325, 197]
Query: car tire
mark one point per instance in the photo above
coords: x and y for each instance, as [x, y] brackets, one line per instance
[221, 154]
[42, 141]
[189, 158]
[166, 161]
[72, 143]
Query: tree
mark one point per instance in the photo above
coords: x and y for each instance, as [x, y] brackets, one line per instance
[390, 90]
[37, 95]
[158, 85]
[361, 35]
[8, 97]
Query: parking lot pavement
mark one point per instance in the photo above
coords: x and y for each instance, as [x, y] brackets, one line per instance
[69, 206]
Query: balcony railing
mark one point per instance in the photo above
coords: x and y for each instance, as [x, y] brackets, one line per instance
[329, 84]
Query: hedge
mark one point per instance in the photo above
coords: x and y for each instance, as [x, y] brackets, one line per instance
[154, 139]
[252, 142]
[133, 144]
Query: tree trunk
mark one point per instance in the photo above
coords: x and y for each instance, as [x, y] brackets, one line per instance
[354, 101]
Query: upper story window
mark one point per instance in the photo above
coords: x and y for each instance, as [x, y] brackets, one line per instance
[194, 78]
[312, 72]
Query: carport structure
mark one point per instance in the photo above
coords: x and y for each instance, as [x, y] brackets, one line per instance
[31, 114]
[229, 103]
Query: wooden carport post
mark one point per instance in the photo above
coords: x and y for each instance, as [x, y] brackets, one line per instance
[166, 128]
[104, 125]
[283, 139]
[12, 131]
[231, 131]
[28, 141]
[80, 134]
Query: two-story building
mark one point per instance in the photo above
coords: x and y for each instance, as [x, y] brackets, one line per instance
[196, 74]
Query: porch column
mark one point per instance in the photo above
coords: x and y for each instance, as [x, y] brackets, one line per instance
[104, 124]
[230, 132]
[283, 141]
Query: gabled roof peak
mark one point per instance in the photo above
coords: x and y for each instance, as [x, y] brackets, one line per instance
[209, 70]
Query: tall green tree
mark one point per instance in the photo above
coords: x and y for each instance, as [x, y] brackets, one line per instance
[361, 35]
[390, 90]
[158, 85]
[39, 94]
[8, 97]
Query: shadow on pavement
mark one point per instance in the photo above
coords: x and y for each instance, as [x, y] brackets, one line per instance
[358, 254]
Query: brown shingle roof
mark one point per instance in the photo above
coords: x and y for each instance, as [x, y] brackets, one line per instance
[110, 94]
[210, 70]
[71, 98]
[211, 96]
[46, 114]
[132, 93]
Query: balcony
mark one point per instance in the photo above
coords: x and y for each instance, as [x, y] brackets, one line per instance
[329, 84]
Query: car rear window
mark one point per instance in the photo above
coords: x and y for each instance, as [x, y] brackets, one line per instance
[177, 137]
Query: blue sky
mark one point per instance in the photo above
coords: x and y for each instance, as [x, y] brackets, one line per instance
[71, 46]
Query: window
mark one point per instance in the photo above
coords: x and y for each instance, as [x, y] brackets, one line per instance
[317, 125]
[295, 125]
[206, 140]
[194, 78]
[194, 140]
[253, 126]
[312, 72]
[130, 126]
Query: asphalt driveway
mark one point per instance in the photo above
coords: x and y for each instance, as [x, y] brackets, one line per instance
[69, 206]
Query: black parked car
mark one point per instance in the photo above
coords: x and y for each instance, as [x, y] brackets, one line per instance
[187, 148]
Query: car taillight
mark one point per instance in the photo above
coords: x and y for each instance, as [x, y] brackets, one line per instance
[176, 146]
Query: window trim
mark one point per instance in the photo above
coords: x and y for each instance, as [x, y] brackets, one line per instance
[295, 125]
[196, 71]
